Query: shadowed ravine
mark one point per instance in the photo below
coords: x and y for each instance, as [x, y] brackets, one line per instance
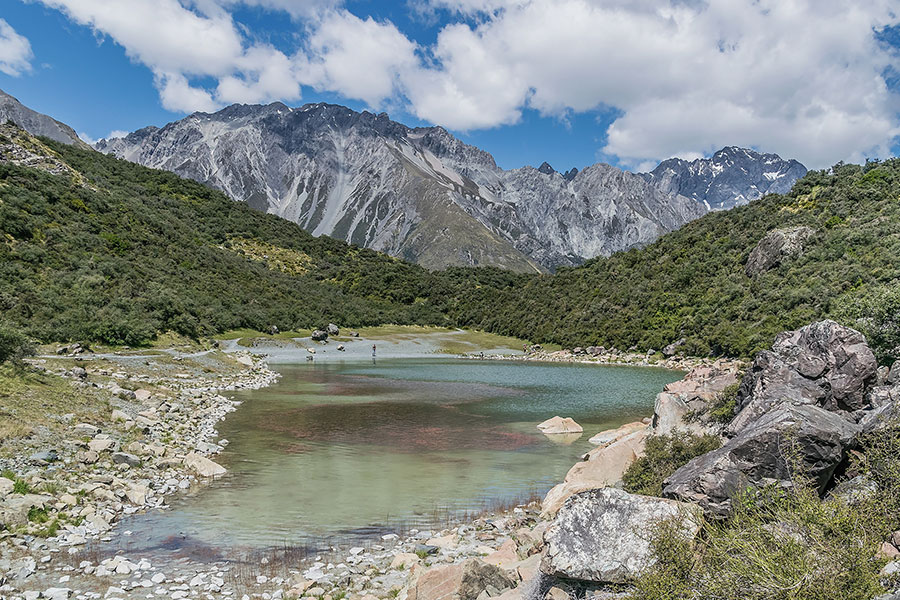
[346, 452]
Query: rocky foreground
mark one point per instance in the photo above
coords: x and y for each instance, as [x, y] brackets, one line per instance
[819, 387]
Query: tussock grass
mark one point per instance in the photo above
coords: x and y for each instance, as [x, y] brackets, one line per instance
[786, 543]
[31, 399]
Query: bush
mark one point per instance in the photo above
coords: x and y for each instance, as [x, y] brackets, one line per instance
[14, 345]
[875, 312]
[786, 543]
[722, 409]
[663, 455]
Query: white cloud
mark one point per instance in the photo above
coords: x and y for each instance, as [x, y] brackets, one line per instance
[177, 94]
[181, 40]
[361, 59]
[800, 77]
[15, 51]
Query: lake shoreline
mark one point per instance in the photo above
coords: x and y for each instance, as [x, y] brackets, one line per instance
[480, 538]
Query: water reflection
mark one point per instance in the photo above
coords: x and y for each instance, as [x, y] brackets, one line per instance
[336, 451]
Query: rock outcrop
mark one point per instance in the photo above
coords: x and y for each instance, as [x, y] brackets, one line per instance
[810, 435]
[692, 394]
[777, 247]
[461, 581]
[824, 364]
[603, 535]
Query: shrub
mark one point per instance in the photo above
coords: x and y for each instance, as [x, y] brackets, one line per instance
[786, 543]
[663, 455]
[14, 345]
[875, 312]
[723, 408]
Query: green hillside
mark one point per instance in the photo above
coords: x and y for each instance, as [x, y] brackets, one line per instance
[691, 283]
[114, 252]
[100, 249]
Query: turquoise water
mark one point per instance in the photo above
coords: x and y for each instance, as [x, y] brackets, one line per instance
[337, 452]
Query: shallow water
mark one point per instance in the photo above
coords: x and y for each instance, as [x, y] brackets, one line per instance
[342, 452]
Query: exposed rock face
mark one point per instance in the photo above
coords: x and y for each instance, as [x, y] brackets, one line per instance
[424, 195]
[692, 393]
[36, 123]
[823, 364]
[603, 467]
[755, 457]
[462, 581]
[604, 535]
[733, 176]
[777, 247]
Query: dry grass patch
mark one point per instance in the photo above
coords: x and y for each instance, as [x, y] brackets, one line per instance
[31, 399]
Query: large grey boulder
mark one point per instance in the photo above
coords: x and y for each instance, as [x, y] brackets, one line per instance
[816, 438]
[824, 364]
[603, 535]
[776, 247]
[319, 335]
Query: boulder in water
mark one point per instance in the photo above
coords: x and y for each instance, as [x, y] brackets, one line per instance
[560, 425]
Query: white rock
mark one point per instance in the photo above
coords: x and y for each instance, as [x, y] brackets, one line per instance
[560, 425]
[57, 593]
[203, 466]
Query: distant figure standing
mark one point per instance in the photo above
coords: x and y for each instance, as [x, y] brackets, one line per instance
[373, 349]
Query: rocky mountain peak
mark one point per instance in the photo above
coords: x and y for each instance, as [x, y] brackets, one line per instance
[731, 177]
[36, 123]
[419, 193]
[546, 169]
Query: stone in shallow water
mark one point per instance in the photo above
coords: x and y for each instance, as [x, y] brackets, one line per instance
[559, 424]
[203, 466]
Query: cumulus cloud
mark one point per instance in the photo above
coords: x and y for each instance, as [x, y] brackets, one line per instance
[181, 40]
[800, 77]
[15, 51]
[361, 59]
[804, 78]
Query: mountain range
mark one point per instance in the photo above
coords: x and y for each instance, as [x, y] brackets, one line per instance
[424, 195]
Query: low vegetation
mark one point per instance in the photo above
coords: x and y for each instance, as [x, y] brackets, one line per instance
[663, 455]
[31, 399]
[691, 283]
[787, 544]
[116, 253]
[138, 252]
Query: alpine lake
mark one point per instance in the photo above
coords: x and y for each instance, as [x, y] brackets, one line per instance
[344, 451]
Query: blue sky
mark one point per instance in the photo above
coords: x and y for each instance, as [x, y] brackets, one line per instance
[571, 82]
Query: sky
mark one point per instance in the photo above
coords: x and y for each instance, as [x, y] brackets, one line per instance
[570, 82]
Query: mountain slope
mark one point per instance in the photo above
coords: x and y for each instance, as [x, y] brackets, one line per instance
[731, 177]
[36, 123]
[353, 176]
[366, 179]
[94, 248]
[694, 284]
